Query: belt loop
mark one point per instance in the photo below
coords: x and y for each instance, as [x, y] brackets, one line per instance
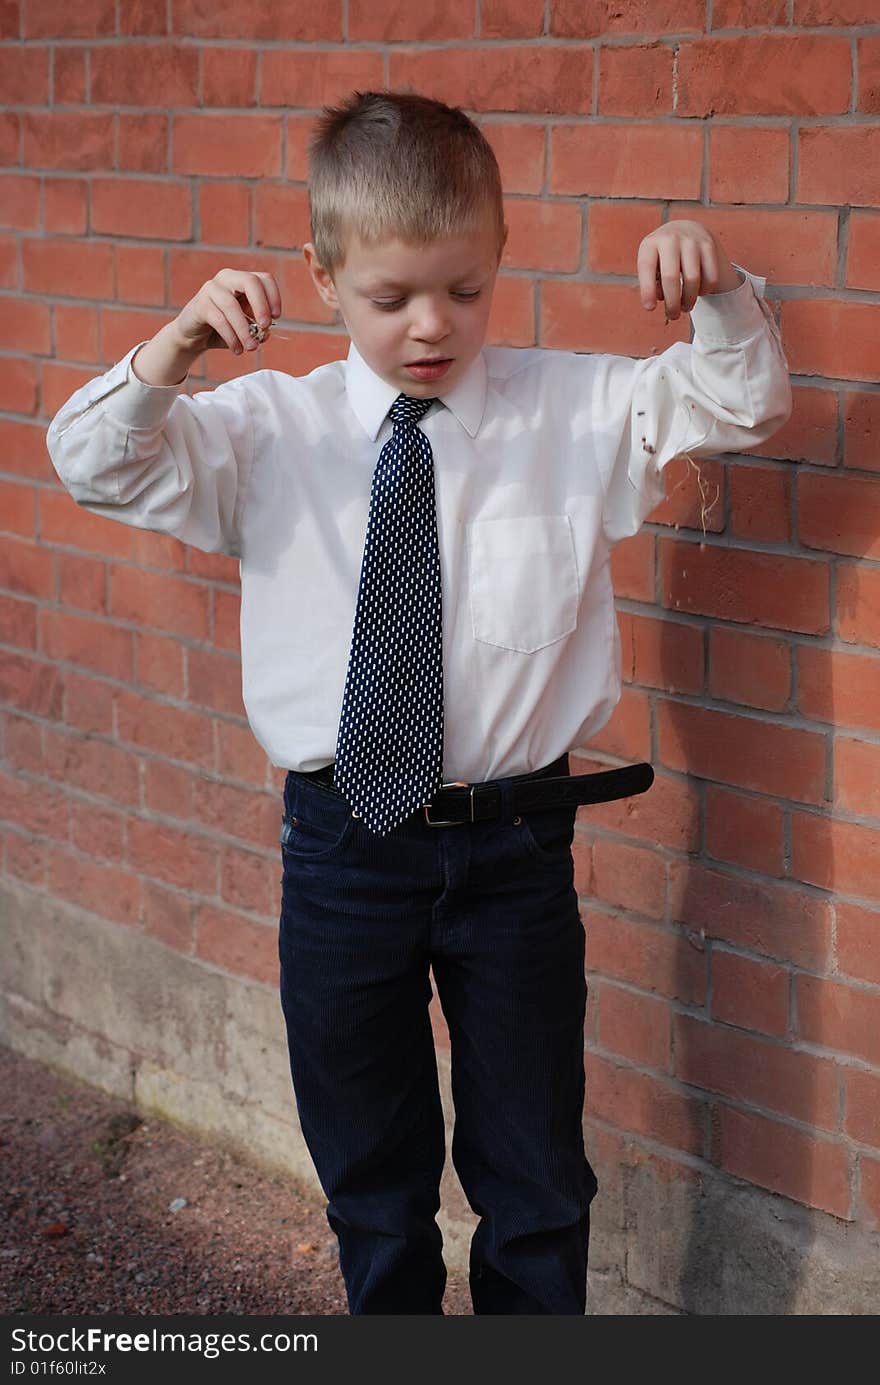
[506, 814]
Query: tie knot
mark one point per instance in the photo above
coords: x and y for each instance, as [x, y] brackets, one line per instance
[406, 409]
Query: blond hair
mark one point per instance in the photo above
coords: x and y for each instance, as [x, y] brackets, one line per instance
[397, 165]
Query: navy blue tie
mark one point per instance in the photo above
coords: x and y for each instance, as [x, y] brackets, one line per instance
[389, 750]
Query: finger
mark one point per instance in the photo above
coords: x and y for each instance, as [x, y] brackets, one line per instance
[242, 284]
[258, 299]
[215, 318]
[229, 305]
[646, 264]
[691, 274]
[709, 261]
[272, 293]
[670, 278]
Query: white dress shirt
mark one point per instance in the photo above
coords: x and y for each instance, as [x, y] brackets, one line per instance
[539, 469]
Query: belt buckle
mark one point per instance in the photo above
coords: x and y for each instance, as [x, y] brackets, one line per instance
[450, 822]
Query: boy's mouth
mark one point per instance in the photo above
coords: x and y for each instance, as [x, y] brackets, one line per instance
[431, 368]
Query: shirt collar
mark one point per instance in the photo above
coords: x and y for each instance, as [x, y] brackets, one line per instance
[371, 397]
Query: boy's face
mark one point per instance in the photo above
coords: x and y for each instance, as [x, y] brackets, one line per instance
[402, 303]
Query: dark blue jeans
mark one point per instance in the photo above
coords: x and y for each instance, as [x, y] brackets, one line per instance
[491, 908]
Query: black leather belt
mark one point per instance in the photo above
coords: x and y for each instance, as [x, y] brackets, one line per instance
[456, 802]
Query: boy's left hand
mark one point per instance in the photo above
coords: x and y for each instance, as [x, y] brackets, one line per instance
[678, 262]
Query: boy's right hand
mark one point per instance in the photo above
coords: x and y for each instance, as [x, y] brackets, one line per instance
[215, 316]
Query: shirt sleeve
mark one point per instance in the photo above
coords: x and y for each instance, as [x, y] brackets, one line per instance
[156, 458]
[726, 391]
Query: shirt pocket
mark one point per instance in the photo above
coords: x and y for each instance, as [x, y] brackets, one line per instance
[524, 590]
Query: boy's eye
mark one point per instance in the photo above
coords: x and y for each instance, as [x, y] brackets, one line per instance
[390, 304]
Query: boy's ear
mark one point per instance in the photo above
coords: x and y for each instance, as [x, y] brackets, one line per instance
[320, 277]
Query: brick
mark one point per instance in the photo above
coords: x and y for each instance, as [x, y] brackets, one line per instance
[241, 755]
[281, 216]
[627, 732]
[748, 14]
[520, 151]
[633, 566]
[266, 21]
[25, 858]
[667, 815]
[168, 789]
[661, 960]
[55, 19]
[236, 944]
[863, 251]
[24, 744]
[742, 751]
[857, 776]
[18, 386]
[130, 74]
[19, 196]
[82, 583]
[635, 80]
[140, 274]
[97, 767]
[99, 833]
[749, 994]
[165, 729]
[760, 503]
[778, 921]
[858, 941]
[752, 669]
[728, 76]
[92, 644]
[631, 1100]
[839, 687]
[824, 337]
[748, 165]
[310, 79]
[661, 653]
[77, 332]
[18, 622]
[615, 230]
[744, 831]
[110, 891]
[69, 268]
[24, 327]
[862, 1119]
[142, 143]
[635, 1026]
[861, 422]
[24, 450]
[67, 139]
[247, 881]
[839, 1017]
[592, 18]
[577, 316]
[543, 235]
[627, 160]
[869, 76]
[840, 12]
[64, 522]
[26, 568]
[87, 703]
[839, 164]
[69, 87]
[251, 817]
[159, 665]
[385, 21]
[788, 247]
[788, 1081]
[168, 853]
[512, 319]
[755, 588]
[694, 495]
[215, 681]
[168, 917]
[836, 855]
[18, 510]
[229, 77]
[225, 213]
[156, 208]
[556, 79]
[835, 513]
[31, 809]
[784, 1159]
[629, 877]
[65, 207]
[170, 604]
[244, 146]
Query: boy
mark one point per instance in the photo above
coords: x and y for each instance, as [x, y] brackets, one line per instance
[426, 602]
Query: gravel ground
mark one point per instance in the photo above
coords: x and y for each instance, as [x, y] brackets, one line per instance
[104, 1211]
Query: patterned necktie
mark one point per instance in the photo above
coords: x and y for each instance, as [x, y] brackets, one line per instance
[389, 751]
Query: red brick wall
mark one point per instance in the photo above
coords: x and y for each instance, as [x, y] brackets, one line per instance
[733, 913]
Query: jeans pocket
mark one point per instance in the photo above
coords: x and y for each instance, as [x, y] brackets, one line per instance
[547, 834]
[304, 838]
